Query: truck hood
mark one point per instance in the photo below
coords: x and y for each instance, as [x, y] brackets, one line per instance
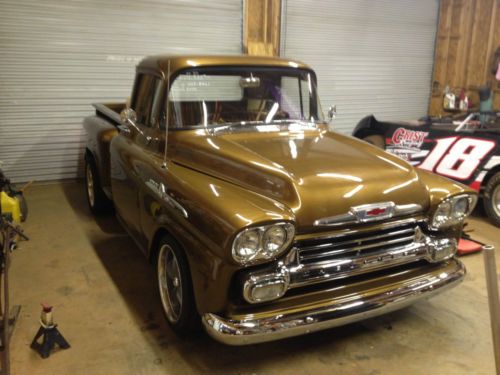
[314, 172]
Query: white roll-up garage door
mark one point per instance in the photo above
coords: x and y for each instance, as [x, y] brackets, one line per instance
[371, 57]
[59, 56]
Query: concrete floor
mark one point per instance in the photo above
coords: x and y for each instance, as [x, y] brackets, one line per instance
[106, 306]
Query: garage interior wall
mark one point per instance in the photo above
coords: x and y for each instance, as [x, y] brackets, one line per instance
[57, 57]
[371, 57]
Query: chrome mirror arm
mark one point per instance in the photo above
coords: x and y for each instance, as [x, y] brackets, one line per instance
[332, 112]
[129, 117]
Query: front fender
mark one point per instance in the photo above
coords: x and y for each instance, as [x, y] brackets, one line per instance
[207, 214]
[440, 188]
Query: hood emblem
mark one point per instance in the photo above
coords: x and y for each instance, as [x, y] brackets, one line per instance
[370, 212]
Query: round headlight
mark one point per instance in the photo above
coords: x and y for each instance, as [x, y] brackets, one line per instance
[453, 210]
[273, 239]
[246, 245]
[461, 208]
[262, 243]
[442, 214]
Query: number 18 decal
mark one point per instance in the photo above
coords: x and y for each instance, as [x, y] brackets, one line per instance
[457, 157]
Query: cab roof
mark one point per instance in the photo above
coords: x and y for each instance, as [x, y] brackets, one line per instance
[159, 63]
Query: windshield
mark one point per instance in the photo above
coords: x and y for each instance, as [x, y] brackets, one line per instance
[212, 97]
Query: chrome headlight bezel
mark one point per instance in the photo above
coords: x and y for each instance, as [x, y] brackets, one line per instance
[262, 250]
[453, 211]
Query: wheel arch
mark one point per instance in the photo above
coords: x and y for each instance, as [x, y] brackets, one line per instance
[155, 242]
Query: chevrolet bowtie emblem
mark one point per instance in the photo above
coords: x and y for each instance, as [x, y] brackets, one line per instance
[376, 211]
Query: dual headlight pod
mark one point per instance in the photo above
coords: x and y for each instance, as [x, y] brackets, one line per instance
[453, 210]
[263, 242]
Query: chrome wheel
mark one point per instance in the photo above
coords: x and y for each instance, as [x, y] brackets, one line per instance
[90, 186]
[170, 283]
[495, 200]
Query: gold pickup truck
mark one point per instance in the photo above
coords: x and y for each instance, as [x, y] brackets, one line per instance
[263, 224]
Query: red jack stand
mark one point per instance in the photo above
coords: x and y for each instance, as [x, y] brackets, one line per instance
[50, 333]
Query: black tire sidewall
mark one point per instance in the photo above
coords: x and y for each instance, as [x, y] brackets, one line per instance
[488, 203]
[101, 202]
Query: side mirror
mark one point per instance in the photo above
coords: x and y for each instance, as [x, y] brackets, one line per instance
[332, 112]
[128, 115]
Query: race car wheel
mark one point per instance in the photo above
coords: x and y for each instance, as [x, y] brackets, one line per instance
[491, 199]
[96, 198]
[376, 140]
[175, 287]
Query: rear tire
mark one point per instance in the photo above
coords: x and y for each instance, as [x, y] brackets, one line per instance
[376, 140]
[96, 198]
[491, 199]
[175, 288]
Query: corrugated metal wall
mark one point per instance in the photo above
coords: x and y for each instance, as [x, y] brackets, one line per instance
[370, 56]
[59, 56]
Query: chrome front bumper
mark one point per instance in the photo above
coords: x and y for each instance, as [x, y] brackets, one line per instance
[338, 311]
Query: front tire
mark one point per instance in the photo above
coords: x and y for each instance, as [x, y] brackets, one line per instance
[175, 287]
[491, 200]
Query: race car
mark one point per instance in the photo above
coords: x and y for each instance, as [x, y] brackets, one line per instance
[465, 150]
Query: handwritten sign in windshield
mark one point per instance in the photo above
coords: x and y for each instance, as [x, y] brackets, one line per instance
[197, 88]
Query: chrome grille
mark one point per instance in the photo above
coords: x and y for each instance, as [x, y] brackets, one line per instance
[323, 259]
[314, 251]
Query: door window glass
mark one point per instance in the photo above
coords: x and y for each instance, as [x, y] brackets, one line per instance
[146, 99]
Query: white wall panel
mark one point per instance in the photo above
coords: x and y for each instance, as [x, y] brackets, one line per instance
[59, 56]
[371, 56]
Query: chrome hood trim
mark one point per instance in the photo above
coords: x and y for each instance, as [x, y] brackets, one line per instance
[362, 214]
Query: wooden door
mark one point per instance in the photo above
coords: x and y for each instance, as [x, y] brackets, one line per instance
[467, 48]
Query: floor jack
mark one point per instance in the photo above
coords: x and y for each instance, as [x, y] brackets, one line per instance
[466, 245]
[50, 333]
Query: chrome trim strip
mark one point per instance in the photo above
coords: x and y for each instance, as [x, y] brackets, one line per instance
[161, 191]
[359, 214]
[349, 232]
[407, 209]
[342, 310]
